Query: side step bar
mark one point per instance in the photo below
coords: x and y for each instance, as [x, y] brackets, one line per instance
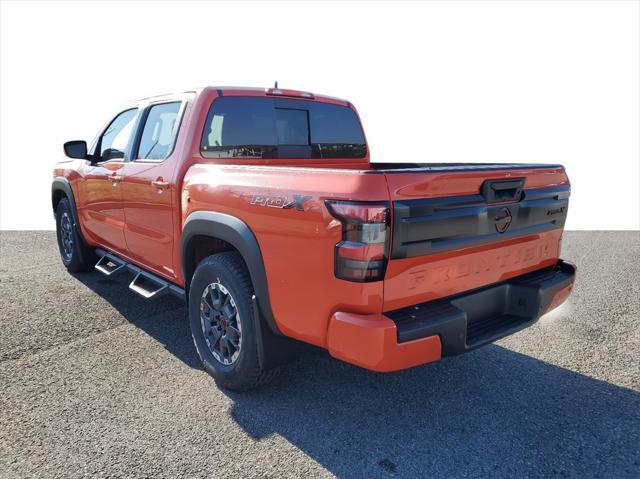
[109, 264]
[145, 284]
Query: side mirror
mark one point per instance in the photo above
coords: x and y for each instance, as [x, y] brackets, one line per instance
[76, 149]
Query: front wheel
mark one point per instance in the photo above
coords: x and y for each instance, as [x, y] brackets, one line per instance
[75, 255]
[222, 322]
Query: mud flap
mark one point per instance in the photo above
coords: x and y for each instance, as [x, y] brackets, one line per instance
[273, 350]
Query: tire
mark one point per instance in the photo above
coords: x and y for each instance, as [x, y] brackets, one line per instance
[75, 255]
[220, 307]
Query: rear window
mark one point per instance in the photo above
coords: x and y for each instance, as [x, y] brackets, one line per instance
[249, 127]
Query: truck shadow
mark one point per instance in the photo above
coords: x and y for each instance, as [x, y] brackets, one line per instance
[493, 412]
[164, 318]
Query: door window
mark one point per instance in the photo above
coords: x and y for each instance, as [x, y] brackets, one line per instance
[160, 131]
[115, 139]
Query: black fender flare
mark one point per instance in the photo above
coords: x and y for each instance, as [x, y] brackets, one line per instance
[62, 184]
[238, 234]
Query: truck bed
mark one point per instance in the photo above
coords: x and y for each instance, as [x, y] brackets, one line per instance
[425, 167]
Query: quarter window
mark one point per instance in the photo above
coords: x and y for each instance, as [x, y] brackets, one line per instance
[159, 133]
[115, 139]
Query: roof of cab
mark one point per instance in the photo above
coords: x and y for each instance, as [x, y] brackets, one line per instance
[260, 91]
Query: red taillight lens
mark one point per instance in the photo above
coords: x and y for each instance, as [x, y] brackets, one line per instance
[362, 254]
[359, 212]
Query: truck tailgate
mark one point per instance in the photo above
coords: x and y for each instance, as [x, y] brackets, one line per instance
[458, 228]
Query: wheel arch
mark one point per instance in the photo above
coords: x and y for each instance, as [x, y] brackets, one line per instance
[61, 188]
[236, 233]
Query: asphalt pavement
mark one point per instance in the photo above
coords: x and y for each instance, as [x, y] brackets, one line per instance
[95, 381]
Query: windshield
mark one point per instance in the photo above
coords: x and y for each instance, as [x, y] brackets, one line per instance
[255, 127]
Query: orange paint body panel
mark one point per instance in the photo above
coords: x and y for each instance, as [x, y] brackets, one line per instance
[139, 211]
[416, 280]
[298, 246]
[432, 185]
[371, 342]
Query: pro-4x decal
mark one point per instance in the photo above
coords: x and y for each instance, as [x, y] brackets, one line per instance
[283, 202]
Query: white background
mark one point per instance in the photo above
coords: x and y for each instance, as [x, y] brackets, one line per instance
[456, 81]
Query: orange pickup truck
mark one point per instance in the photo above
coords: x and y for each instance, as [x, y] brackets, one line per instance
[261, 209]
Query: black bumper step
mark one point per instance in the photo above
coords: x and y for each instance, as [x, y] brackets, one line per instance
[472, 319]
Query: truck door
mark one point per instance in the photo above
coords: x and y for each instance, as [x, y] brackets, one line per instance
[148, 189]
[99, 198]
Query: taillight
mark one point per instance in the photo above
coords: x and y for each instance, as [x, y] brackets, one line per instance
[362, 254]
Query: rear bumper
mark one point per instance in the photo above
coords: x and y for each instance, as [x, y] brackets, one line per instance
[425, 332]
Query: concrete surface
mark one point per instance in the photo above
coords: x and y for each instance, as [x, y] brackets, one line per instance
[95, 381]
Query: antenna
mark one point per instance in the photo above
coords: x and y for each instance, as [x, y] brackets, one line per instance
[276, 85]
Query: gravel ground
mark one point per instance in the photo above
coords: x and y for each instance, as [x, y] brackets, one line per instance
[96, 381]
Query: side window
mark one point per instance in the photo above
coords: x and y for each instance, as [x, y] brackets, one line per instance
[159, 132]
[115, 139]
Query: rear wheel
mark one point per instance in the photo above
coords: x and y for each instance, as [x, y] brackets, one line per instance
[222, 322]
[75, 255]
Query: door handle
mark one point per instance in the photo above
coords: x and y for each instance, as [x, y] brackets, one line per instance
[160, 184]
[115, 179]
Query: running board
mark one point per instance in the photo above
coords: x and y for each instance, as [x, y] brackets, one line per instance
[109, 264]
[148, 286]
[145, 284]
